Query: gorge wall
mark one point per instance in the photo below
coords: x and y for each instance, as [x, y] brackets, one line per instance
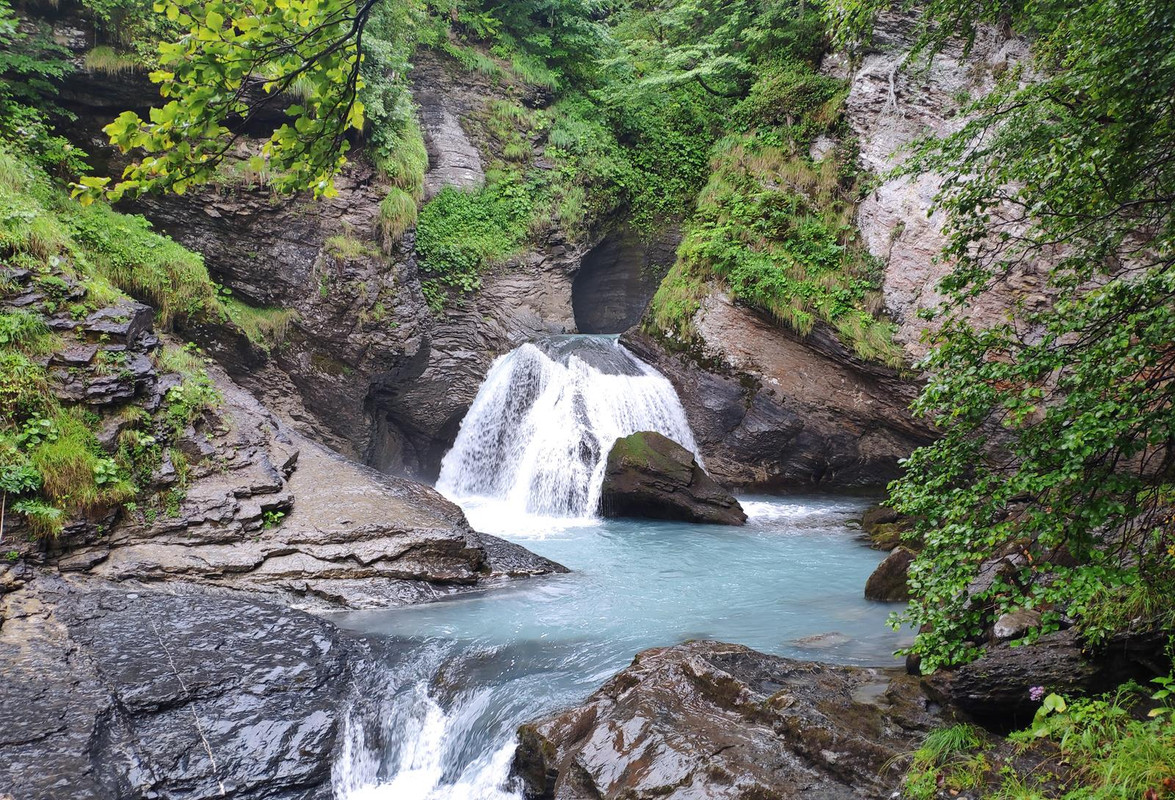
[368, 369]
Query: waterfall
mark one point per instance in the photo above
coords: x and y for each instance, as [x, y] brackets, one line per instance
[537, 436]
[408, 747]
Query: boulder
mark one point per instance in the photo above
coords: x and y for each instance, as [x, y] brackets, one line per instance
[649, 475]
[889, 583]
[714, 720]
[1015, 624]
[109, 695]
[995, 690]
[884, 528]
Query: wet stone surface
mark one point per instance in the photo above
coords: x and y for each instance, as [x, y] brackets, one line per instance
[142, 695]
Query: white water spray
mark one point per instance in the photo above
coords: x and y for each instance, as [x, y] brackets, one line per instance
[537, 437]
[409, 747]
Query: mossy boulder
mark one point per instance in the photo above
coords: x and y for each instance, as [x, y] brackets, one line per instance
[889, 583]
[651, 476]
[884, 528]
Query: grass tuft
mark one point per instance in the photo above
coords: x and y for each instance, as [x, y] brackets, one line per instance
[397, 213]
[265, 327]
[108, 61]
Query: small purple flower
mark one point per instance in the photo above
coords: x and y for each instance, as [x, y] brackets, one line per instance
[1036, 693]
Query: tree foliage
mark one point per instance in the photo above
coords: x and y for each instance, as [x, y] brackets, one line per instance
[1058, 423]
[240, 64]
[30, 64]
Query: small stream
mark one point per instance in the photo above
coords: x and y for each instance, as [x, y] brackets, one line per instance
[439, 721]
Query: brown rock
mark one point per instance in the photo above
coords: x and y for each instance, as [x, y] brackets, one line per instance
[721, 721]
[878, 515]
[649, 475]
[771, 409]
[889, 582]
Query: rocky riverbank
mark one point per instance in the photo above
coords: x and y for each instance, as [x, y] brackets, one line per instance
[714, 720]
[153, 647]
[115, 694]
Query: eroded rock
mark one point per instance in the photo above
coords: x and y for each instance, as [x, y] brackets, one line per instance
[649, 475]
[109, 695]
[714, 720]
[271, 513]
[772, 410]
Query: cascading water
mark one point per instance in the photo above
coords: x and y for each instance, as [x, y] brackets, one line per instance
[538, 434]
[437, 720]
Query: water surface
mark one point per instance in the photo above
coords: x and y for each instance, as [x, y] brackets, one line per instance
[463, 673]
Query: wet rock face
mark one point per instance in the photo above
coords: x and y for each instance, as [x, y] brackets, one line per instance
[890, 581]
[714, 720]
[772, 410]
[109, 696]
[453, 160]
[618, 279]
[995, 690]
[648, 475]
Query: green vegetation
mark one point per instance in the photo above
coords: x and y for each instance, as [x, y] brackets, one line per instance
[51, 467]
[946, 760]
[53, 471]
[459, 233]
[30, 62]
[41, 229]
[129, 255]
[1102, 748]
[346, 247]
[778, 230]
[107, 60]
[642, 99]
[397, 213]
[265, 327]
[227, 45]
[1057, 426]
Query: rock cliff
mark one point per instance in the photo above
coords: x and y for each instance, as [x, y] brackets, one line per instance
[893, 102]
[365, 366]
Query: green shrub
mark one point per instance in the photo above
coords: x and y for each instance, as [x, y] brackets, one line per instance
[461, 233]
[397, 213]
[404, 159]
[345, 247]
[778, 231]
